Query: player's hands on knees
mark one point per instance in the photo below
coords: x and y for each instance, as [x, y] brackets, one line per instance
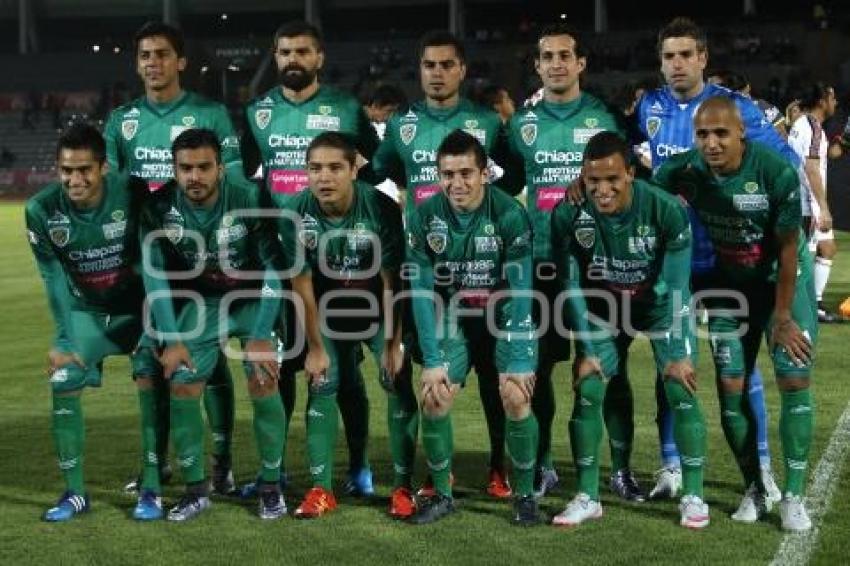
[175, 357]
[524, 381]
[575, 194]
[787, 335]
[57, 360]
[683, 372]
[585, 366]
[392, 359]
[263, 356]
[825, 220]
[436, 384]
[316, 365]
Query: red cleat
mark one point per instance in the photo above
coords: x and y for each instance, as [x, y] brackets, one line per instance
[317, 502]
[427, 489]
[402, 505]
[499, 486]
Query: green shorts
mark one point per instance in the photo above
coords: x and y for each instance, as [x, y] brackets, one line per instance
[345, 355]
[95, 336]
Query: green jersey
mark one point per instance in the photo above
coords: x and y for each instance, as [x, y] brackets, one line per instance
[408, 151]
[465, 259]
[550, 140]
[139, 135]
[278, 132]
[742, 212]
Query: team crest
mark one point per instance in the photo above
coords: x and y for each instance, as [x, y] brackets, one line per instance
[407, 133]
[751, 187]
[60, 235]
[643, 230]
[262, 117]
[471, 124]
[227, 221]
[129, 129]
[653, 123]
[489, 229]
[309, 239]
[586, 237]
[117, 215]
[188, 121]
[324, 110]
[528, 133]
[591, 122]
[437, 242]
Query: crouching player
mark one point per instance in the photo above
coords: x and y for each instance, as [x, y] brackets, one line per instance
[83, 233]
[201, 229]
[747, 197]
[629, 245]
[470, 250]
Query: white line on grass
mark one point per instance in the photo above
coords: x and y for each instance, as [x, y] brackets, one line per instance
[796, 548]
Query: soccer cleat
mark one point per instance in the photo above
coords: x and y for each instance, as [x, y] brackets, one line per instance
[825, 316]
[271, 505]
[317, 502]
[498, 485]
[580, 509]
[189, 507]
[772, 495]
[792, 510]
[752, 506]
[249, 490]
[359, 483]
[546, 479]
[427, 490]
[668, 483]
[526, 511]
[624, 484]
[694, 512]
[222, 482]
[402, 505]
[433, 509]
[69, 504]
[165, 473]
[149, 507]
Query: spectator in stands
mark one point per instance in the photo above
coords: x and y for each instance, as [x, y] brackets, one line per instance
[7, 158]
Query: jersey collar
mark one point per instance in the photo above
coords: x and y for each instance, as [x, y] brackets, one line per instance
[164, 108]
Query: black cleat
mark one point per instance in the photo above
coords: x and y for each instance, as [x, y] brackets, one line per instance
[222, 482]
[432, 509]
[526, 511]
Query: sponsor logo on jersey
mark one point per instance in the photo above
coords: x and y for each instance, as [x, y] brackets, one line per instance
[407, 132]
[591, 122]
[133, 113]
[583, 135]
[129, 129]
[117, 215]
[656, 107]
[585, 217]
[528, 132]
[309, 239]
[437, 241]
[486, 244]
[643, 242]
[32, 237]
[188, 121]
[586, 237]
[176, 131]
[749, 203]
[115, 229]
[320, 122]
[324, 109]
[530, 115]
[643, 230]
[230, 234]
[286, 140]
[412, 241]
[410, 116]
[266, 101]
[751, 187]
[227, 221]
[173, 225]
[666, 150]
[653, 123]
[489, 229]
[471, 124]
[262, 117]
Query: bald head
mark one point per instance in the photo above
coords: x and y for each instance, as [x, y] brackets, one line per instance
[719, 134]
[719, 104]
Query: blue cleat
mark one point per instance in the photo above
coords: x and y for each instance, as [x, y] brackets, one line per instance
[69, 504]
[250, 490]
[359, 483]
[149, 507]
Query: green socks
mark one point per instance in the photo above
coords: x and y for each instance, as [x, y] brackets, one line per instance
[322, 425]
[219, 405]
[270, 435]
[795, 428]
[689, 432]
[438, 444]
[618, 410]
[150, 460]
[187, 430]
[586, 434]
[522, 447]
[739, 428]
[69, 435]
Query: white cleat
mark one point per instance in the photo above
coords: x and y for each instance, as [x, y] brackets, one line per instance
[794, 515]
[752, 506]
[668, 483]
[694, 512]
[577, 511]
[772, 495]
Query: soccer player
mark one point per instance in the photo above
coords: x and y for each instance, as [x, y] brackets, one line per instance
[280, 125]
[499, 100]
[351, 240]
[809, 141]
[740, 84]
[83, 234]
[138, 140]
[470, 250]
[630, 245]
[665, 118]
[549, 139]
[747, 197]
[202, 222]
[408, 154]
[383, 103]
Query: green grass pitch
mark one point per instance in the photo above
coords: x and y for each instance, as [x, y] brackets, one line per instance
[360, 531]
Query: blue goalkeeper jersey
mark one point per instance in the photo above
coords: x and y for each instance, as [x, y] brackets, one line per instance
[668, 124]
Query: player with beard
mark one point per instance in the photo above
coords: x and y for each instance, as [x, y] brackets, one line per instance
[280, 124]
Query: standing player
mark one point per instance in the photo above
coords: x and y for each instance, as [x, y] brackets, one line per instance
[138, 140]
[351, 238]
[747, 197]
[809, 142]
[383, 103]
[631, 243]
[280, 124]
[201, 222]
[665, 118]
[470, 245]
[549, 138]
[740, 84]
[82, 231]
[408, 154]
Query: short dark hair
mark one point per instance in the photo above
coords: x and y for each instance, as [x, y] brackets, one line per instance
[81, 135]
[730, 79]
[196, 138]
[171, 33]
[388, 95]
[297, 28]
[489, 95]
[683, 27]
[813, 94]
[606, 144]
[333, 140]
[439, 38]
[459, 142]
[561, 28]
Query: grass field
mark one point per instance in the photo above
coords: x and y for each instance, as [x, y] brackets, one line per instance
[360, 531]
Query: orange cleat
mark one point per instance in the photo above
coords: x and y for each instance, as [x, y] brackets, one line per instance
[499, 486]
[427, 490]
[402, 505]
[317, 502]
